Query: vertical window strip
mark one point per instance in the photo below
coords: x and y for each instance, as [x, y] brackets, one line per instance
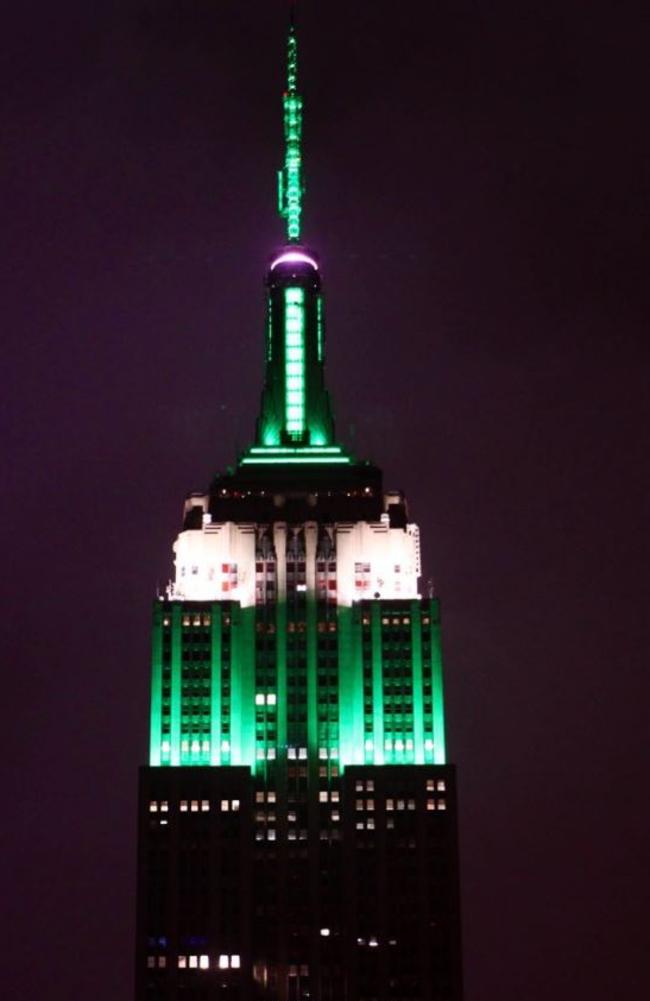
[294, 362]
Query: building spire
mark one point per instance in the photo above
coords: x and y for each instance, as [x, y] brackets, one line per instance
[290, 179]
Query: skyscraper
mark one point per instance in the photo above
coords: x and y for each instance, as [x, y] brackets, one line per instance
[297, 819]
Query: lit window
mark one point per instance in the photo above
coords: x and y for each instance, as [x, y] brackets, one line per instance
[390, 804]
[334, 796]
[182, 962]
[194, 806]
[411, 804]
[431, 804]
[428, 744]
[302, 753]
[325, 932]
[370, 823]
[360, 825]
[205, 805]
[204, 963]
[151, 962]
[430, 785]
[322, 753]
[292, 834]
[336, 816]
[153, 806]
[322, 796]
[271, 700]
[225, 805]
[358, 785]
[259, 797]
[270, 754]
[373, 942]
[400, 804]
[442, 805]
[270, 834]
[223, 962]
[441, 785]
[390, 822]
[359, 804]
[235, 805]
[291, 752]
[259, 699]
[270, 796]
[194, 962]
[370, 804]
[370, 785]
[235, 962]
[162, 962]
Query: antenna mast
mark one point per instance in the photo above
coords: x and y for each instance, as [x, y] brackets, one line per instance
[291, 185]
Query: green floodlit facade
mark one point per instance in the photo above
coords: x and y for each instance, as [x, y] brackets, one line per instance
[297, 817]
[260, 685]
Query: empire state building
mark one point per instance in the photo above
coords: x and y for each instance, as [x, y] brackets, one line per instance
[297, 818]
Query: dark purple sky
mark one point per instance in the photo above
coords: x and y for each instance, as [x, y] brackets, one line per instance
[478, 192]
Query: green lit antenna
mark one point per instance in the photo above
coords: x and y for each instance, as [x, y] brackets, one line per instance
[290, 180]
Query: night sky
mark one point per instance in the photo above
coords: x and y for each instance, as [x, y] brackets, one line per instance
[478, 193]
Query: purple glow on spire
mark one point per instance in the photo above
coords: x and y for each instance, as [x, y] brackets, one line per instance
[294, 257]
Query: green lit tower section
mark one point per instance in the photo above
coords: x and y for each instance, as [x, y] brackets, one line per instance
[297, 818]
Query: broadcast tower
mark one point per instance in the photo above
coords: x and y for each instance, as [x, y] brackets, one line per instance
[297, 819]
